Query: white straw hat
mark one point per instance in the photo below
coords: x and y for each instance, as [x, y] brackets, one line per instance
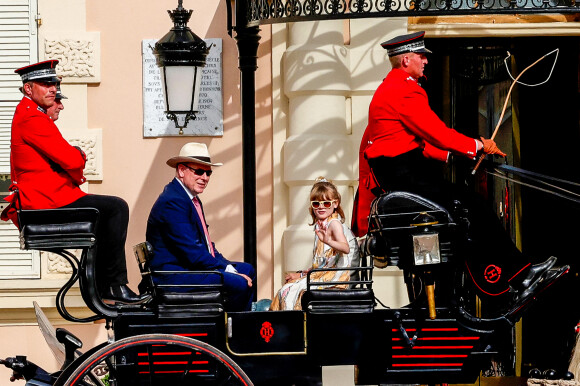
[193, 152]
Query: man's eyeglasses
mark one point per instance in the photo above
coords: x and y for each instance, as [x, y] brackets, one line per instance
[199, 172]
[318, 204]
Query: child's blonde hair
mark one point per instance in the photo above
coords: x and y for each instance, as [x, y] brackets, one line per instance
[325, 190]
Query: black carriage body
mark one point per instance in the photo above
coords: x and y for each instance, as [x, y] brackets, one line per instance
[335, 327]
[269, 346]
[142, 364]
[421, 350]
[428, 351]
[387, 345]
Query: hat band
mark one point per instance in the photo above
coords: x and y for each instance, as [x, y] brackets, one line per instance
[204, 159]
[39, 74]
[409, 47]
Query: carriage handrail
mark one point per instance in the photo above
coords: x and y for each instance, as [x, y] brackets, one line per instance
[367, 282]
[401, 214]
[383, 229]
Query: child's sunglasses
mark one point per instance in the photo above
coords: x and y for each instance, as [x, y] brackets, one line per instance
[318, 204]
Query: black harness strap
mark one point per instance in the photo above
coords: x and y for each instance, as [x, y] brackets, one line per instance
[538, 181]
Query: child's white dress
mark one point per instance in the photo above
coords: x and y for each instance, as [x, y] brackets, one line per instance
[324, 256]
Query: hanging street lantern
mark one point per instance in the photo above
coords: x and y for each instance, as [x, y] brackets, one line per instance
[181, 54]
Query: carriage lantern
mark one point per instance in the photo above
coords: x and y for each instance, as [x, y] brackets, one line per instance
[426, 244]
[181, 55]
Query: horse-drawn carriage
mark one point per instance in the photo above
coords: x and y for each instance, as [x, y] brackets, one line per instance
[186, 337]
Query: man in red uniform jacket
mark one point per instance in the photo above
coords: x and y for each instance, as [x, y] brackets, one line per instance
[403, 148]
[47, 172]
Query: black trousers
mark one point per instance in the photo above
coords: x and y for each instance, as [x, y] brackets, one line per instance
[494, 262]
[111, 236]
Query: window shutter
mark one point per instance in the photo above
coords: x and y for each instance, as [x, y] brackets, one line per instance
[14, 262]
[18, 48]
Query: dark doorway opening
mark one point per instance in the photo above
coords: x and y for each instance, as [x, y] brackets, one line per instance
[467, 83]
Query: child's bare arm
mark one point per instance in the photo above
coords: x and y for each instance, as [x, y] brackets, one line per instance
[334, 236]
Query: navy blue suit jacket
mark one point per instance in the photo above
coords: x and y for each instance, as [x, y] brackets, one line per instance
[175, 231]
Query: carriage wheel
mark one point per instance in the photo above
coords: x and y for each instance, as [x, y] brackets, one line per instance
[154, 359]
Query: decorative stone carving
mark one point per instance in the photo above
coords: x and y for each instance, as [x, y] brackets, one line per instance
[78, 55]
[90, 140]
[57, 264]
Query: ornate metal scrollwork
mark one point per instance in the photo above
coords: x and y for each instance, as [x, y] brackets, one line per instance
[335, 7]
[293, 8]
[282, 11]
[360, 6]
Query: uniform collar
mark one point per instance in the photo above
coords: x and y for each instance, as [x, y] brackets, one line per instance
[402, 74]
[30, 101]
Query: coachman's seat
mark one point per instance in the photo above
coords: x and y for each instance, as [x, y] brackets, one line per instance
[398, 216]
[418, 236]
[59, 231]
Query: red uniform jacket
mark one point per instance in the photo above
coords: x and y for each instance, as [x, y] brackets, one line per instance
[401, 120]
[45, 168]
[364, 197]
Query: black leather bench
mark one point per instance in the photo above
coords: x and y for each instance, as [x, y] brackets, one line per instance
[46, 229]
[171, 298]
[357, 298]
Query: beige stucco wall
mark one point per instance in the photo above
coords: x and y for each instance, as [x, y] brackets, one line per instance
[134, 167]
[324, 76]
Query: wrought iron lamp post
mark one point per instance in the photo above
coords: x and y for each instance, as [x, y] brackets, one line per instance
[181, 55]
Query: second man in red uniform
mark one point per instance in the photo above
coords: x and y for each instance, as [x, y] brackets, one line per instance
[403, 149]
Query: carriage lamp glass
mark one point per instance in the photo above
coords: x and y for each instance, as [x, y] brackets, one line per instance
[426, 249]
[181, 55]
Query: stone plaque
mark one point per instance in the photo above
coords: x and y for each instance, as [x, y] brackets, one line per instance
[209, 121]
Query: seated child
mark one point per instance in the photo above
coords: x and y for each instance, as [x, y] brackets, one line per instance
[335, 246]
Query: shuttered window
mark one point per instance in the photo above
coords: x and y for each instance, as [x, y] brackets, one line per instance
[14, 262]
[18, 48]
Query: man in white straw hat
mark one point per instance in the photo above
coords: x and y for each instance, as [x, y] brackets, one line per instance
[178, 232]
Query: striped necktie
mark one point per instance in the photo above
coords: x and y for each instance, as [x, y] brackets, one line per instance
[202, 218]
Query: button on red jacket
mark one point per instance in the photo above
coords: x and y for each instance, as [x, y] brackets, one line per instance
[45, 168]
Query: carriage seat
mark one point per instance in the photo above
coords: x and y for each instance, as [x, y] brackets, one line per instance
[357, 298]
[397, 216]
[195, 297]
[56, 231]
[353, 300]
[47, 229]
